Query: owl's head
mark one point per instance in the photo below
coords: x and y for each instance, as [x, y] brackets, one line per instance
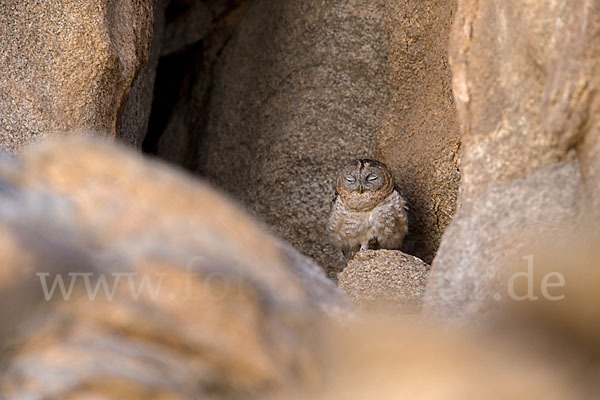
[364, 182]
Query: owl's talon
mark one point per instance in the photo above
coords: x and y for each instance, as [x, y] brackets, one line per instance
[373, 244]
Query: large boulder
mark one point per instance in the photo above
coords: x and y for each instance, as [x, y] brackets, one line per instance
[68, 65]
[524, 81]
[198, 298]
[489, 236]
[523, 78]
[299, 90]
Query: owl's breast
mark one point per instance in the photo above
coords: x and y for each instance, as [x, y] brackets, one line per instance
[346, 226]
[388, 222]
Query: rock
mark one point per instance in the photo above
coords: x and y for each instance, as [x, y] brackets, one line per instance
[419, 139]
[186, 75]
[567, 312]
[489, 237]
[299, 90]
[407, 359]
[188, 21]
[321, 290]
[230, 312]
[522, 81]
[177, 23]
[68, 65]
[523, 74]
[385, 278]
[134, 122]
[227, 311]
[570, 107]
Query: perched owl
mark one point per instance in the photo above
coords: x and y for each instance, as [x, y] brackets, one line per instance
[368, 212]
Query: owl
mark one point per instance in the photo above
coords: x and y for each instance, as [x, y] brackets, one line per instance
[367, 212]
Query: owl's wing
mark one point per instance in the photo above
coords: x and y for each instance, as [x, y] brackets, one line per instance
[332, 204]
[405, 205]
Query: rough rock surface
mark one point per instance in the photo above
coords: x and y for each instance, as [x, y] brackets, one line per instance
[524, 74]
[177, 23]
[299, 90]
[386, 279]
[66, 65]
[134, 122]
[188, 21]
[524, 81]
[571, 107]
[489, 236]
[419, 139]
[195, 35]
[228, 311]
[281, 120]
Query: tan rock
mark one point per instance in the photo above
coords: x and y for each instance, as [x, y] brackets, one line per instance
[195, 37]
[489, 236]
[565, 283]
[68, 65]
[135, 120]
[570, 106]
[531, 349]
[298, 91]
[522, 77]
[549, 347]
[391, 360]
[250, 327]
[228, 311]
[386, 279]
[419, 139]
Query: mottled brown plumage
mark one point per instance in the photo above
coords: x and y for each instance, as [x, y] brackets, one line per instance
[368, 211]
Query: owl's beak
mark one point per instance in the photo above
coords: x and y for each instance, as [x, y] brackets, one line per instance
[361, 188]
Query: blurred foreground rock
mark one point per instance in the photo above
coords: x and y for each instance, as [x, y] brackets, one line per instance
[386, 279]
[228, 312]
[566, 312]
[547, 348]
[403, 360]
